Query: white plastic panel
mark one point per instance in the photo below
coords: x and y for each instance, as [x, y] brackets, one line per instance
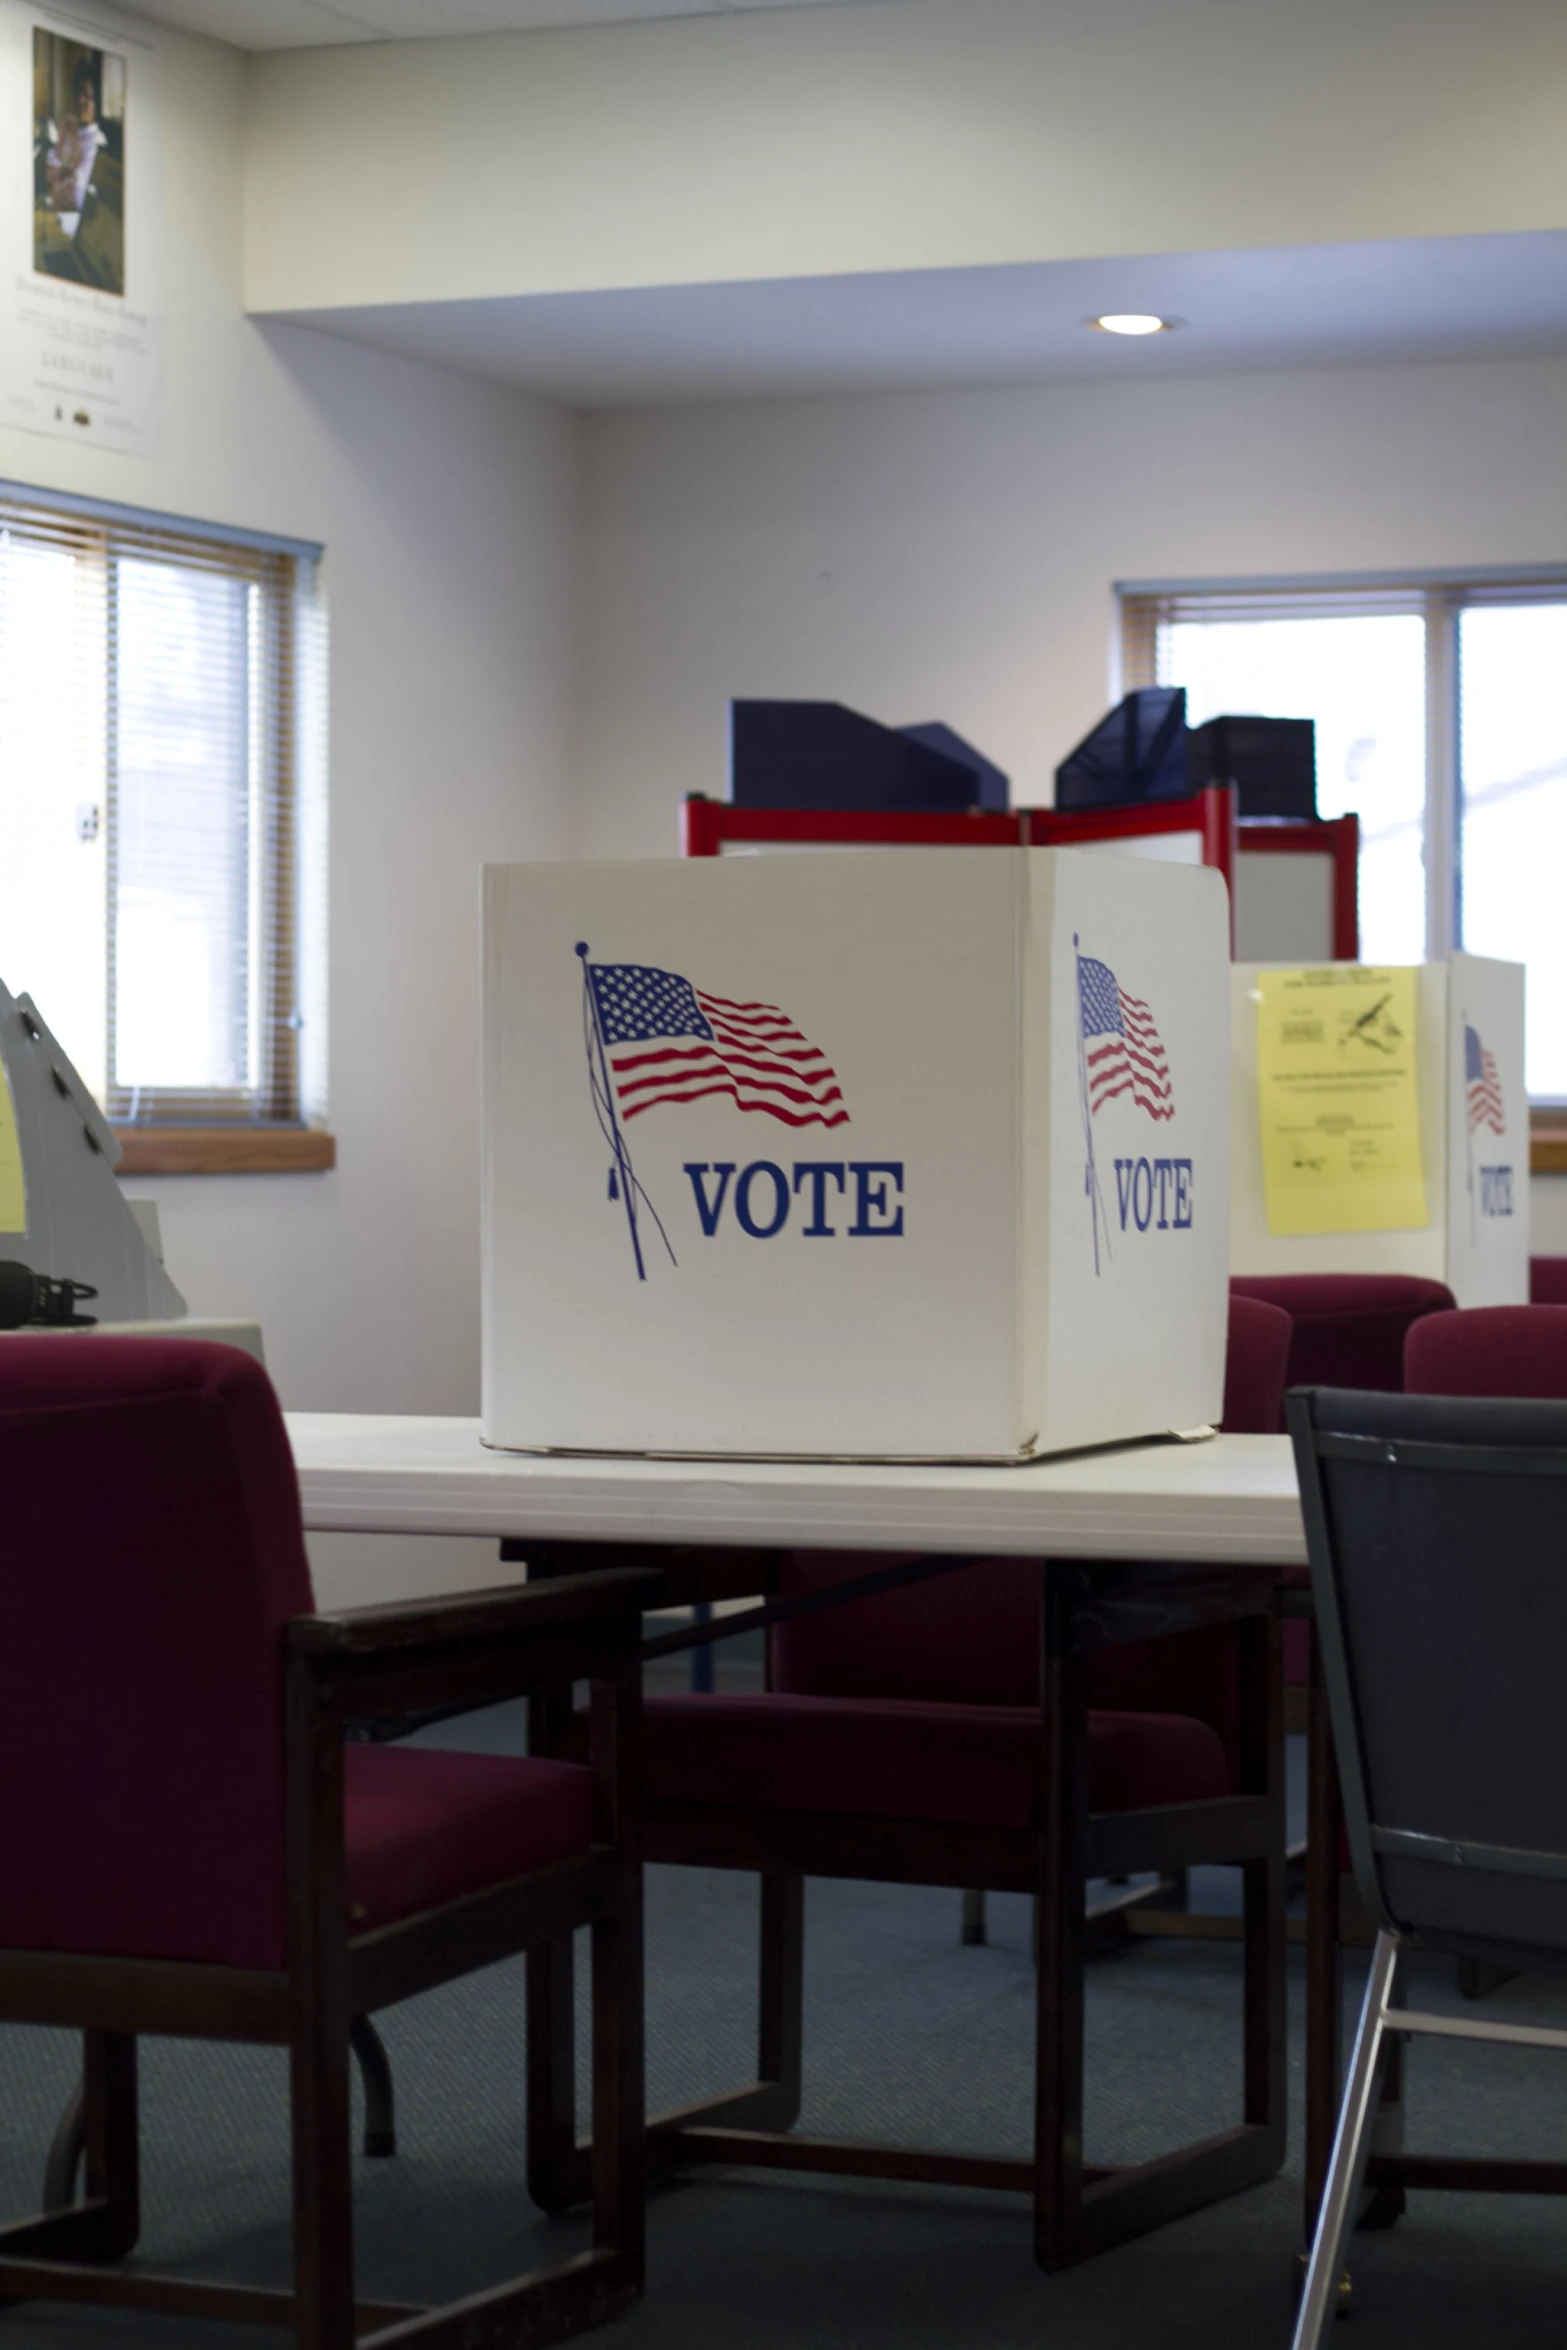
[1283, 908]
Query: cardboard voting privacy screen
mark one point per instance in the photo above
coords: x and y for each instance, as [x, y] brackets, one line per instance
[1455, 1113]
[906, 1154]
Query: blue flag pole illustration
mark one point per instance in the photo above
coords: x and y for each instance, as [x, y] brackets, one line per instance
[621, 1177]
[623, 1183]
[1471, 1071]
[1090, 1171]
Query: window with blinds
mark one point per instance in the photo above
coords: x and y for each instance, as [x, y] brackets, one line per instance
[161, 815]
[1440, 722]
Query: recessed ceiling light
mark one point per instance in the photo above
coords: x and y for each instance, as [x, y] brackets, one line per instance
[1132, 322]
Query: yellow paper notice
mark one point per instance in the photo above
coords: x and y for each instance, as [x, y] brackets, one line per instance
[13, 1189]
[1339, 1100]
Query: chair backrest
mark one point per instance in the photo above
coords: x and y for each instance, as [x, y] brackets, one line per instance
[1256, 1360]
[972, 1638]
[152, 1552]
[1439, 1564]
[1548, 1281]
[1349, 1327]
[1489, 1350]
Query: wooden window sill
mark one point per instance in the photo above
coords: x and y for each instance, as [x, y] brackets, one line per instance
[288, 1150]
[1548, 1144]
[224, 1150]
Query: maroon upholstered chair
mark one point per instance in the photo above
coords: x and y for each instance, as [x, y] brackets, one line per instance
[1348, 1327]
[200, 1853]
[1256, 1366]
[1489, 1350]
[903, 1738]
[1548, 1281]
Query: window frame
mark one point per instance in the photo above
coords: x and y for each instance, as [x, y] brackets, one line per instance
[271, 1127]
[1440, 598]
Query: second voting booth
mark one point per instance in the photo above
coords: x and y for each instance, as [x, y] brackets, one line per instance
[904, 1155]
[1380, 1123]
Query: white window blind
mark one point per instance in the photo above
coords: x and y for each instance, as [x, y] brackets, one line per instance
[162, 835]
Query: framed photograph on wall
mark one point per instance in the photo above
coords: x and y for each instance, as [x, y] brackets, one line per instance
[79, 161]
[81, 232]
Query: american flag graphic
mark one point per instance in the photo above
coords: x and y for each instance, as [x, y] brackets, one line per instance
[1485, 1087]
[1122, 1048]
[667, 1041]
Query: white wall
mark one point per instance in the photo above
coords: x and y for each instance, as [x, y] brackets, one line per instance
[449, 515]
[952, 555]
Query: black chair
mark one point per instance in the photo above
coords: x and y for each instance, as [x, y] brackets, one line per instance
[1435, 1526]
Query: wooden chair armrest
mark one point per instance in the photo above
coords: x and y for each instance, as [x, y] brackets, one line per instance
[692, 1570]
[465, 1616]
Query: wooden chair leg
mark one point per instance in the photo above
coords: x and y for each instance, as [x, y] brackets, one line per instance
[559, 2167]
[69, 2142]
[615, 2273]
[1263, 1884]
[1061, 1947]
[66, 2149]
[319, 2022]
[99, 2124]
[780, 2020]
[618, 2094]
[323, 2183]
[558, 2172]
[375, 2072]
[111, 2137]
[972, 1934]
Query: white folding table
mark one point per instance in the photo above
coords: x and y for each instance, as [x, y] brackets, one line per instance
[1215, 1503]
[1227, 1500]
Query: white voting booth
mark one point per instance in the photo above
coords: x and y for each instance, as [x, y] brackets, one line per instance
[906, 1154]
[1473, 1123]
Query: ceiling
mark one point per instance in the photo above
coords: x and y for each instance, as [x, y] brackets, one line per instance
[1339, 305]
[1317, 306]
[311, 24]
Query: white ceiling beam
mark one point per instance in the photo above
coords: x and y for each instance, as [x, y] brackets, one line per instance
[946, 134]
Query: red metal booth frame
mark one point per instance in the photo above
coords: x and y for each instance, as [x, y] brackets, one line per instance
[707, 826]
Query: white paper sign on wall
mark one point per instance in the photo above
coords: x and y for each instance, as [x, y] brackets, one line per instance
[81, 226]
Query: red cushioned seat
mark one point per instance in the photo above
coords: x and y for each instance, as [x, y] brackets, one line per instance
[421, 1827]
[889, 1759]
[1490, 1350]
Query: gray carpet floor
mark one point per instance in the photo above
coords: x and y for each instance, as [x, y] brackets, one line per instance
[909, 2037]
